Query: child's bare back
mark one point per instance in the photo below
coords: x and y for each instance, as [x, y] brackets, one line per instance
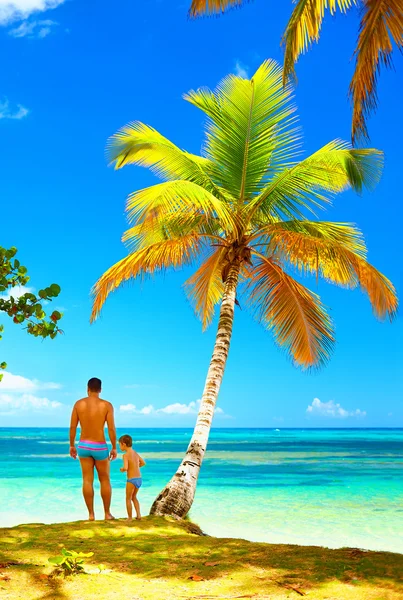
[133, 463]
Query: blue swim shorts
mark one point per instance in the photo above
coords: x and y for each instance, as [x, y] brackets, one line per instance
[136, 481]
[95, 450]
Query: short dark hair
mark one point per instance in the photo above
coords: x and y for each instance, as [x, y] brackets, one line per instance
[126, 440]
[94, 384]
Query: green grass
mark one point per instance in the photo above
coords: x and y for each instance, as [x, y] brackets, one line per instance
[155, 559]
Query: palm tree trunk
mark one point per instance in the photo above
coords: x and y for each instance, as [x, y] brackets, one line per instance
[177, 496]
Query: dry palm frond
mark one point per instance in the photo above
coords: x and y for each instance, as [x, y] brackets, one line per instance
[210, 7]
[304, 26]
[336, 252]
[163, 255]
[295, 315]
[381, 25]
[205, 287]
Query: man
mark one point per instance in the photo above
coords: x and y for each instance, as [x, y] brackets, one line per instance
[92, 413]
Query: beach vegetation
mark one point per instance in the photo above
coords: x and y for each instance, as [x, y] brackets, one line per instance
[245, 213]
[21, 304]
[69, 562]
[380, 30]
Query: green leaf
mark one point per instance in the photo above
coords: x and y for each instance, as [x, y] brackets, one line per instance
[42, 294]
[56, 289]
[56, 560]
[3, 365]
[11, 252]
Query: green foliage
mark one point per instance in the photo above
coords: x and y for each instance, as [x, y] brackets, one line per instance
[70, 562]
[27, 308]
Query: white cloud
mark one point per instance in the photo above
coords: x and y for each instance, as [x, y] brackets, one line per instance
[16, 292]
[171, 409]
[179, 409]
[131, 408]
[18, 10]
[19, 384]
[33, 29]
[241, 70]
[332, 410]
[8, 112]
[10, 404]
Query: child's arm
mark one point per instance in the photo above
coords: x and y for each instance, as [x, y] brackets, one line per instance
[125, 464]
[142, 462]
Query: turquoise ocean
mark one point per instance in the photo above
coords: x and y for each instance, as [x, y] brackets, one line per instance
[328, 487]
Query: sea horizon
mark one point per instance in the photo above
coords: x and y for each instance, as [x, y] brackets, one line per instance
[190, 428]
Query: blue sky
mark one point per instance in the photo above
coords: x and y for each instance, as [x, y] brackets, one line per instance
[75, 73]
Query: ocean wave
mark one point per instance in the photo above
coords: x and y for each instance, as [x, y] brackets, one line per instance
[43, 455]
[18, 437]
[50, 442]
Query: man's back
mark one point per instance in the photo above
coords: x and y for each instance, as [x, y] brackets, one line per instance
[92, 412]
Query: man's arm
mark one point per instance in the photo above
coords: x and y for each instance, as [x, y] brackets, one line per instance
[110, 421]
[73, 430]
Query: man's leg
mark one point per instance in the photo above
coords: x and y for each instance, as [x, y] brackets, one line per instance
[87, 468]
[103, 468]
[136, 503]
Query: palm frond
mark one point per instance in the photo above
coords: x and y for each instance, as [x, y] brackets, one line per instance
[379, 288]
[381, 25]
[205, 287]
[199, 8]
[180, 197]
[304, 27]
[336, 252]
[146, 261]
[170, 225]
[324, 249]
[250, 131]
[310, 184]
[295, 315]
[139, 144]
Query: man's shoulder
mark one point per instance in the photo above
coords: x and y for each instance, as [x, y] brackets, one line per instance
[80, 402]
[106, 403]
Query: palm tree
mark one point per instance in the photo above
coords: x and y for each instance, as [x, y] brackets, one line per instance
[381, 26]
[242, 211]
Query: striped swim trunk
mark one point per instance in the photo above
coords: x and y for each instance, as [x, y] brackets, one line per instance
[95, 450]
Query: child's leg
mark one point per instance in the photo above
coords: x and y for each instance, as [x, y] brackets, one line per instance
[136, 503]
[129, 492]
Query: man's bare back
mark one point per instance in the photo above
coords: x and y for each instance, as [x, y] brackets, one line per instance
[93, 413]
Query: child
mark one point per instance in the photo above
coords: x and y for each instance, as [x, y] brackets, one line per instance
[132, 462]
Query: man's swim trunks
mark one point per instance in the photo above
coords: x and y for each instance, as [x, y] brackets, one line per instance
[95, 450]
[136, 481]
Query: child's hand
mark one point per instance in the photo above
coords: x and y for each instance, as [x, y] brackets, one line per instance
[122, 470]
